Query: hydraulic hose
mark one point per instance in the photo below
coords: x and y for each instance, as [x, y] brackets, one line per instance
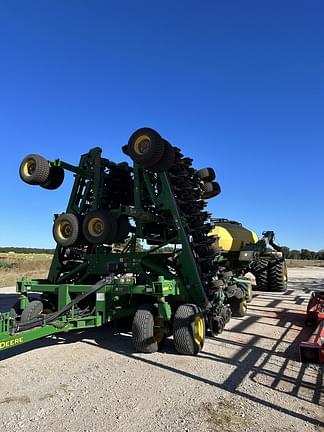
[47, 319]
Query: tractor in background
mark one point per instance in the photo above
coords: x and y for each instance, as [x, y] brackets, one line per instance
[160, 199]
[244, 254]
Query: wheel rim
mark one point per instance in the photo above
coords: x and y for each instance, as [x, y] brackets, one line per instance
[64, 230]
[199, 329]
[29, 167]
[244, 305]
[142, 144]
[96, 227]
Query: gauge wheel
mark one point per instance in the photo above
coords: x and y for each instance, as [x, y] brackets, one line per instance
[167, 160]
[34, 169]
[99, 227]
[210, 189]
[206, 174]
[55, 179]
[147, 329]
[66, 229]
[146, 147]
[32, 310]
[189, 329]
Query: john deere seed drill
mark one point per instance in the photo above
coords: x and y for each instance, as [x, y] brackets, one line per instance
[99, 273]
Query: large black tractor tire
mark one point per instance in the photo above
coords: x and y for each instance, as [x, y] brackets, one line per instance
[99, 227]
[146, 147]
[32, 310]
[167, 160]
[66, 229]
[210, 190]
[55, 179]
[277, 275]
[144, 336]
[189, 329]
[34, 169]
[260, 271]
[206, 174]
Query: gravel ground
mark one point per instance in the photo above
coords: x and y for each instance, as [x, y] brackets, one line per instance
[248, 378]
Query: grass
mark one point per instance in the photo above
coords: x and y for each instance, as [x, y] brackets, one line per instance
[304, 263]
[15, 265]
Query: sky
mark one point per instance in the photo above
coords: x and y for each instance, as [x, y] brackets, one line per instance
[237, 85]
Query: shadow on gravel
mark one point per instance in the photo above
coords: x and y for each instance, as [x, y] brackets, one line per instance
[274, 367]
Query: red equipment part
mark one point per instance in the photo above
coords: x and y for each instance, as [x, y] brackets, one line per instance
[312, 351]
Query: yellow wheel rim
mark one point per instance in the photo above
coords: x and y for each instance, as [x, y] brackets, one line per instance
[142, 144]
[199, 329]
[64, 230]
[29, 167]
[244, 304]
[95, 227]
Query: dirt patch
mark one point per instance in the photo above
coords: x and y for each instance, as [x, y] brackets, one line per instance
[16, 265]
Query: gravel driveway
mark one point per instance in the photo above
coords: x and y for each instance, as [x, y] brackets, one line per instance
[248, 379]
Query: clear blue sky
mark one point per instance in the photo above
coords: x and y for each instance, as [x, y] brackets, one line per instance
[238, 85]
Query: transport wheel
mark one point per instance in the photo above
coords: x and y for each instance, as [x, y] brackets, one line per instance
[66, 229]
[34, 169]
[260, 270]
[277, 275]
[146, 147]
[99, 226]
[167, 160]
[189, 329]
[55, 179]
[145, 335]
[33, 310]
[206, 174]
[210, 190]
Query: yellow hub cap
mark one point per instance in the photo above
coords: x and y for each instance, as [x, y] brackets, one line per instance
[96, 227]
[142, 144]
[64, 230]
[29, 167]
[199, 330]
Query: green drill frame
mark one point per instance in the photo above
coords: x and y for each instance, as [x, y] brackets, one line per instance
[168, 279]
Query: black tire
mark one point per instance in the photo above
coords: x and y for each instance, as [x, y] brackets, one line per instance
[206, 174]
[99, 227]
[123, 229]
[210, 190]
[277, 275]
[146, 147]
[238, 306]
[189, 330]
[56, 178]
[34, 169]
[260, 270]
[66, 229]
[144, 338]
[32, 310]
[167, 159]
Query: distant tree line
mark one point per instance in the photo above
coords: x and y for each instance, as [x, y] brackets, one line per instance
[303, 254]
[26, 250]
